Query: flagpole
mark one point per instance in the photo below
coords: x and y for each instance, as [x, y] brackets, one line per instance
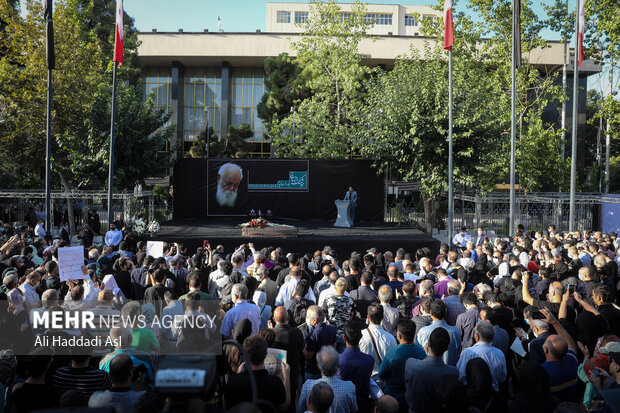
[573, 160]
[607, 136]
[48, 157]
[51, 62]
[450, 154]
[513, 106]
[111, 163]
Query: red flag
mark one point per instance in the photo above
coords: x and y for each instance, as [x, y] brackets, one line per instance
[448, 40]
[582, 22]
[118, 37]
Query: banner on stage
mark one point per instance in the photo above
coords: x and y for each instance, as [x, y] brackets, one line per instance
[155, 248]
[70, 263]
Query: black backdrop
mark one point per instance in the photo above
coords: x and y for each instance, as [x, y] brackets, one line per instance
[307, 188]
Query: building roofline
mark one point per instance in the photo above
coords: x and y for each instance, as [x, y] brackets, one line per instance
[258, 33]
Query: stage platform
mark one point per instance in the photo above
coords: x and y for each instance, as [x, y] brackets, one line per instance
[313, 235]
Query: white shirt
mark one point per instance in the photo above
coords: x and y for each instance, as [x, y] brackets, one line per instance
[31, 298]
[384, 340]
[461, 240]
[39, 231]
[326, 293]
[287, 290]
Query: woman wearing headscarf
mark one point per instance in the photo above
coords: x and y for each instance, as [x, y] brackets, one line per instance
[242, 330]
[109, 283]
[260, 298]
[479, 273]
[148, 314]
[480, 393]
[34, 256]
[532, 390]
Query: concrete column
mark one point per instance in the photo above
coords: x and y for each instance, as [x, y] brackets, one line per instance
[226, 99]
[177, 101]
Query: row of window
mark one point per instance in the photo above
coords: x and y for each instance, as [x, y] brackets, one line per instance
[202, 91]
[382, 19]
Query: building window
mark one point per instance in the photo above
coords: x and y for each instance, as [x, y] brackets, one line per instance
[379, 19]
[410, 21]
[301, 16]
[202, 89]
[156, 83]
[248, 88]
[346, 16]
[283, 17]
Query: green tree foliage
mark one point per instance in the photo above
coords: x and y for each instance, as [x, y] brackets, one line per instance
[197, 150]
[140, 141]
[285, 85]
[325, 124]
[81, 99]
[235, 144]
[407, 118]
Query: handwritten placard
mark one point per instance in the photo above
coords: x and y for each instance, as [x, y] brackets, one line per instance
[155, 248]
[70, 262]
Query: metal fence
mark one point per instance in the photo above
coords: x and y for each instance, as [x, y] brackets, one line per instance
[15, 205]
[492, 210]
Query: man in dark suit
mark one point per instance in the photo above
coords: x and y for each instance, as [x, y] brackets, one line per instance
[421, 376]
[467, 321]
[364, 296]
[541, 330]
[290, 339]
[481, 237]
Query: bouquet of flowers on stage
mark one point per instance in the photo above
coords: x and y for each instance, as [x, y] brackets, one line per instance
[257, 223]
[138, 225]
[262, 223]
[153, 227]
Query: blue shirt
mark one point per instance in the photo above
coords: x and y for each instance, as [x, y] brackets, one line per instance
[241, 310]
[344, 395]
[392, 370]
[356, 367]
[563, 377]
[494, 358]
[318, 336]
[454, 307]
[113, 238]
[451, 356]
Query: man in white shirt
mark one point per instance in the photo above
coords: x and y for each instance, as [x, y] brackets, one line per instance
[113, 237]
[28, 288]
[39, 229]
[460, 239]
[288, 288]
[375, 341]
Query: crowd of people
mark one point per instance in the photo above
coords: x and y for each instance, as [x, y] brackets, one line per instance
[527, 324]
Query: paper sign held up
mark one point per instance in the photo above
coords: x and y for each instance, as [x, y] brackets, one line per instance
[155, 248]
[70, 262]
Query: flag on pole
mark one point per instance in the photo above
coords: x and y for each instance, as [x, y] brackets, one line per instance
[118, 37]
[448, 40]
[582, 23]
[516, 21]
[49, 35]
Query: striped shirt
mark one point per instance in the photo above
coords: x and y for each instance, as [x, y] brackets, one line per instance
[86, 379]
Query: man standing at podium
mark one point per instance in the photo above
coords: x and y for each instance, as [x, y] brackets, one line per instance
[351, 196]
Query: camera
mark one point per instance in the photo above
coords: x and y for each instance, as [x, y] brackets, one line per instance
[186, 376]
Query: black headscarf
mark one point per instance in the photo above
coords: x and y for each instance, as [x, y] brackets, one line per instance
[532, 390]
[479, 383]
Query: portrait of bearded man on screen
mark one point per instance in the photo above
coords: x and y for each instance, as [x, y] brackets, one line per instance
[229, 177]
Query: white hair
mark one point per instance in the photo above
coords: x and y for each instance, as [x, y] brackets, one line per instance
[227, 166]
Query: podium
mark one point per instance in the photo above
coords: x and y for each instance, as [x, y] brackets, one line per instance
[344, 217]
